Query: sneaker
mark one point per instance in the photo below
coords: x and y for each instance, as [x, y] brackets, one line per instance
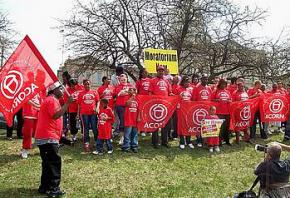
[143, 134]
[217, 149]
[210, 149]
[110, 151]
[9, 138]
[182, 146]
[57, 193]
[121, 140]
[95, 152]
[199, 145]
[24, 154]
[87, 147]
[191, 146]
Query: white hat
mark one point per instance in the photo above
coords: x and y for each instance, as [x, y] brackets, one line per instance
[53, 86]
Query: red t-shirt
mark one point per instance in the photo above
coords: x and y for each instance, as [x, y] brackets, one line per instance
[105, 125]
[47, 127]
[224, 96]
[107, 92]
[202, 93]
[175, 89]
[232, 88]
[186, 94]
[87, 101]
[160, 86]
[240, 96]
[121, 99]
[131, 113]
[73, 107]
[143, 86]
[252, 91]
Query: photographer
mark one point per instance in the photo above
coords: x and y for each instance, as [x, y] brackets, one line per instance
[274, 173]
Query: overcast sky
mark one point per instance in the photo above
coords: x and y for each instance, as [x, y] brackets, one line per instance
[38, 17]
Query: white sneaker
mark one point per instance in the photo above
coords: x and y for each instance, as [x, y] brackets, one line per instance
[182, 146]
[210, 149]
[217, 149]
[199, 145]
[95, 152]
[110, 151]
[191, 146]
[143, 134]
[24, 154]
[74, 138]
[121, 140]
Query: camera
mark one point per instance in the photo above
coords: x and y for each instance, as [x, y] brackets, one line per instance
[261, 148]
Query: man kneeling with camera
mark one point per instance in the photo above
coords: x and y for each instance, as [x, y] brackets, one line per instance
[274, 173]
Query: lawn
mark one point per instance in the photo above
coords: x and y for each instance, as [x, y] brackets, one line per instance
[150, 173]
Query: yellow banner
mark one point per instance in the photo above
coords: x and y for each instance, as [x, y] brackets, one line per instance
[211, 127]
[159, 57]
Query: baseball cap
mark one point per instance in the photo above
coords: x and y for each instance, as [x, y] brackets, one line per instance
[53, 86]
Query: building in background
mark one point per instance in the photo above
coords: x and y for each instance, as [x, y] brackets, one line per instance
[86, 67]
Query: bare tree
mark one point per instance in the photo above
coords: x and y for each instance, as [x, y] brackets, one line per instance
[209, 35]
[6, 37]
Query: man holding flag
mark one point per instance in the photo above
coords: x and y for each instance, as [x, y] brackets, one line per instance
[47, 136]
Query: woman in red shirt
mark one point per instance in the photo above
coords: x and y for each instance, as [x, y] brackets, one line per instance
[223, 96]
[87, 102]
[74, 90]
[122, 94]
[107, 91]
[185, 93]
[143, 84]
[240, 95]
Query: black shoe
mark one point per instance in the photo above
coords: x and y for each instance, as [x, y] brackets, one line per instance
[229, 144]
[155, 146]
[264, 137]
[57, 193]
[134, 150]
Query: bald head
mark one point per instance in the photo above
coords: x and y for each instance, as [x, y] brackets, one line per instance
[274, 151]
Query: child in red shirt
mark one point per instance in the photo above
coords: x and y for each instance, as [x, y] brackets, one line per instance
[105, 121]
[130, 123]
[213, 142]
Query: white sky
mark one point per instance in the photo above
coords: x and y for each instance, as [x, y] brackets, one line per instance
[37, 17]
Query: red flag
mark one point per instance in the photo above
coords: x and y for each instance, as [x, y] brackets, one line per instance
[155, 111]
[242, 114]
[24, 74]
[190, 116]
[274, 108]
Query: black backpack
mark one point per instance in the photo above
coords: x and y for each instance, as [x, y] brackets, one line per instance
[249, 193]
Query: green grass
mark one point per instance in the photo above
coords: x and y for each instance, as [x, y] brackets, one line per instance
[150, 173]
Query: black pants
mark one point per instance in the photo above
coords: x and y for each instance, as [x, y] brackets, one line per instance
[51, 167]
[164, 135]
[19, 125]
[73, 123]
[254, 128]
[174, 126]
[184, 139]
[225, 134]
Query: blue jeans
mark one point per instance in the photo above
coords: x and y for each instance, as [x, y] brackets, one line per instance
[89, 121]
[120, 112]
[100, 144]
[130, 138]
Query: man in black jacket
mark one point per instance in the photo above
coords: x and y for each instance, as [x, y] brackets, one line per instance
[274, 173]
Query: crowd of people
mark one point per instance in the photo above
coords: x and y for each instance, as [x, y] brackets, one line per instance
[111, 112]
